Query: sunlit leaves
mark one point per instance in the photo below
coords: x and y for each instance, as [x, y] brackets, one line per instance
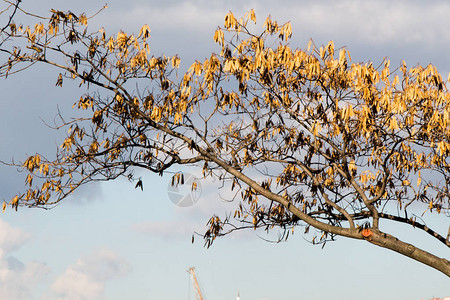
[175, 61]
[110, 44]
[85, 102]
[59, 81]
[144, 32]
[335, 139]
[219, 37]
[196, 68]
[230, 21]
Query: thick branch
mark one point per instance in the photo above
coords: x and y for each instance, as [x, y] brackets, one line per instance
[387, 241]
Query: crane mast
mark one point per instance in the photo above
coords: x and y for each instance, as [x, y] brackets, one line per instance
[198, 293]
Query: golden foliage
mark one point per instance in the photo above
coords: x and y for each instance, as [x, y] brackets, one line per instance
[341, 138]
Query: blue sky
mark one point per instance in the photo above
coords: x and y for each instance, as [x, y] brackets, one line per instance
[110, 241]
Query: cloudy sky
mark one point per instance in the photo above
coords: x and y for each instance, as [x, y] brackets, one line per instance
[110, 241]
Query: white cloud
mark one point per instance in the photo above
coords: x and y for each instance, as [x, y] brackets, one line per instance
[364, 21]
[87, 194]
[75, 284]
[86, 279]
[11, 238]
[186, 15]
[372, 22]
[17, 279]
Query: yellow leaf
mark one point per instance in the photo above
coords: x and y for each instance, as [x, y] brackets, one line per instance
[29, 180]
[59, 81]
[330, 47]
[83, 19]
[145, 32]
[316, 128]
[352, 166]
[252, 16]
[230, 21]
[175, 61]
[35, 48]
[442, 148]
[309, 47]
[322, 53]
[219, 36]
[287, 30]
[110, 44]
[342, 59]
[396, 81]
[393, 125]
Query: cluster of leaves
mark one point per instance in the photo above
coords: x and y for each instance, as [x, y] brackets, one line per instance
[306, 135]
[345, 138]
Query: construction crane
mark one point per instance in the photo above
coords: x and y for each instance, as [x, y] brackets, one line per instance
[198, 293]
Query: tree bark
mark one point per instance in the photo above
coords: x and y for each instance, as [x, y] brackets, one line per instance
[392, 243]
